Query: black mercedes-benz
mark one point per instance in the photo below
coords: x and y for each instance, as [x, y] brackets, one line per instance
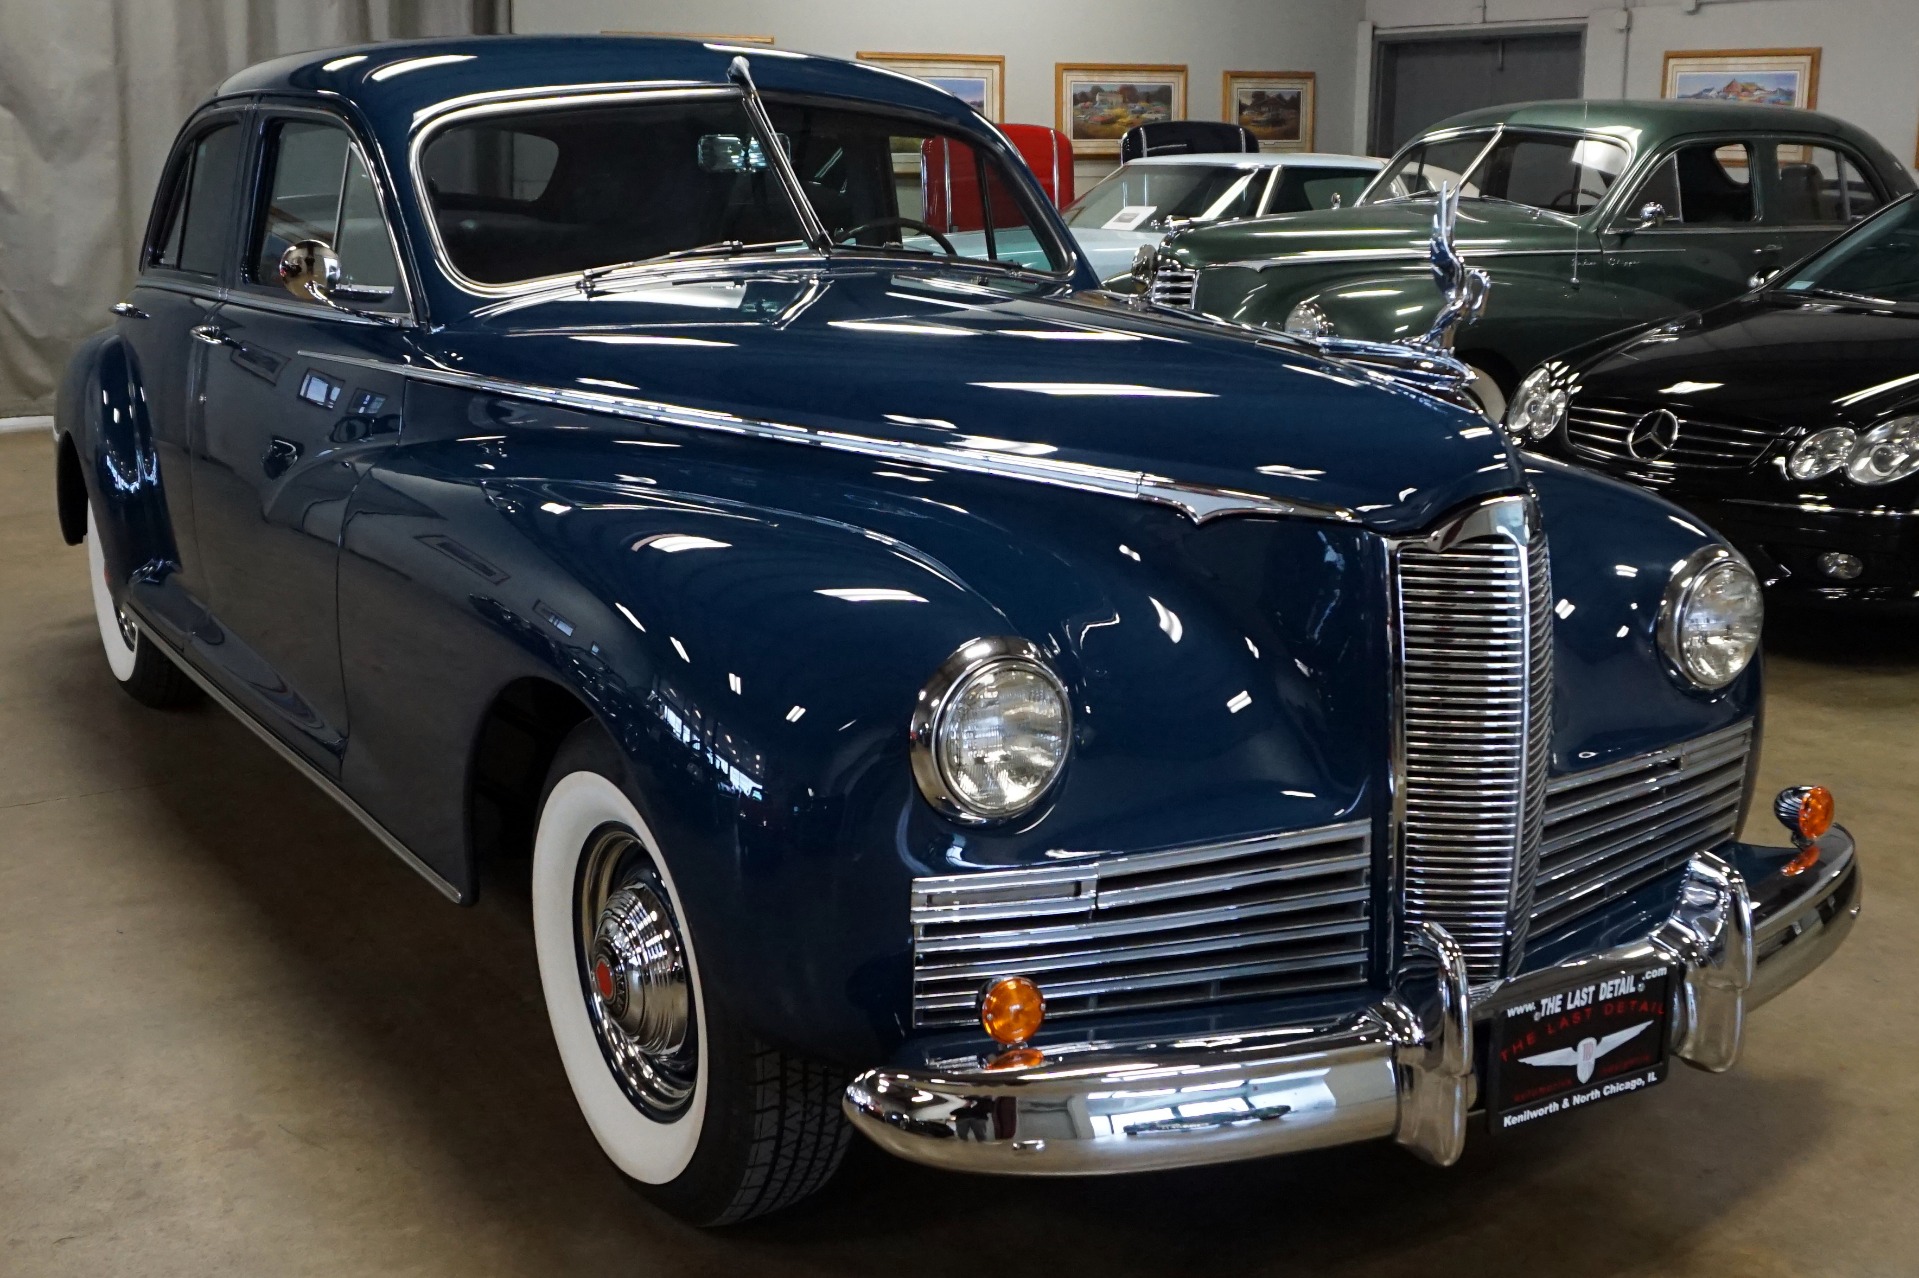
[1788, 418]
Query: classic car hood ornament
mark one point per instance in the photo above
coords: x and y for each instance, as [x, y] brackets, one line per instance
[1464, 288]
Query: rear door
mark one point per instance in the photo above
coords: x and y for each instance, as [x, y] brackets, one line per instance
[1814, 189]
[181, 281]
[1706, 241]
[299, 403]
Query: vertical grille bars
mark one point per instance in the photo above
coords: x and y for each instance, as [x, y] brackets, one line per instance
[1474, 717]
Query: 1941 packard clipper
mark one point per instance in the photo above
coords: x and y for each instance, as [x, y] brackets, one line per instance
[928, 696]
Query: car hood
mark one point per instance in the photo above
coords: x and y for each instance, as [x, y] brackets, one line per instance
[996, 369]
[1766, 359]
[1372, 230]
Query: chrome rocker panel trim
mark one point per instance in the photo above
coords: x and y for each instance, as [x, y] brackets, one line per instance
[1401, 1068]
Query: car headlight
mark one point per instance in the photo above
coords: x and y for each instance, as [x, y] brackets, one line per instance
[1710, 622]
[1539, 406]
[991, 732]
[1886, 453]
[1309, 319]
[1822, 452]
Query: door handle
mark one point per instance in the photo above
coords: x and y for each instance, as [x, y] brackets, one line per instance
[280, 454]
[1766, 250]
[128, 309]
[211, 334]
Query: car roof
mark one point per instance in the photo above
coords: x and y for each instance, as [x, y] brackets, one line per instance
[1661, 118]
[1265, 159]
[386, 81]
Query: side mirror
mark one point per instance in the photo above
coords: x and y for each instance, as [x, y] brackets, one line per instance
[1651, 214]
[1761, 278]
[311, 271]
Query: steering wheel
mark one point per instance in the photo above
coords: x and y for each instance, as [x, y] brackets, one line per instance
[904, 223]
[1570, 198]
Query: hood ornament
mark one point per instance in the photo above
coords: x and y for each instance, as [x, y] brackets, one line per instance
[1464, 288]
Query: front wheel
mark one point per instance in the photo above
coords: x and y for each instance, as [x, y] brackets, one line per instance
[148, 675]
[703, 1119]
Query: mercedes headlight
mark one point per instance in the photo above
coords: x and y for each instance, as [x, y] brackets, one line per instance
[1309, 319]
[1822, 452]
[1709, 624]
[1886, 453]
[991, 732]
[1539, 406]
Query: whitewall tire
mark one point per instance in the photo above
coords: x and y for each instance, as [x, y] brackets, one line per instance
[701, 1116]
[148, 674]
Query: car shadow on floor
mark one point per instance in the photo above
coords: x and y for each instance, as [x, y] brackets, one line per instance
[1877, 641]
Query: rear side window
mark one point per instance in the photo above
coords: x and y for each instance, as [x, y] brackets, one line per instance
[193, 232]
[1301, 188]
[1707, 184]
[318, 188]
[1819, 186]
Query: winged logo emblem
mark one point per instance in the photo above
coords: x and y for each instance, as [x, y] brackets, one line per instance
[1586, 1055]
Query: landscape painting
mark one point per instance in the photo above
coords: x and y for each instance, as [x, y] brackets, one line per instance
[1095, 103]
[1753, 77]
[1276, 105]
[974, 78]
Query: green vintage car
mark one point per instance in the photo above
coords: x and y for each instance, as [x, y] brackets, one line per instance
[1588, 216]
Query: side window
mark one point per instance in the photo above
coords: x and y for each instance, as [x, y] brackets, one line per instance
[192, 235]
[1706, 184]
[318, 188]
[1819, 186]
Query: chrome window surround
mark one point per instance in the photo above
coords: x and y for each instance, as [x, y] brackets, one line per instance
[1686, 576]
[1198, 924]
[936, 698]
[1472, 656]
[430, 122]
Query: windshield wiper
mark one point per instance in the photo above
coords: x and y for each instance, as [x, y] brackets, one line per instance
[1838, 295]
[591, 277]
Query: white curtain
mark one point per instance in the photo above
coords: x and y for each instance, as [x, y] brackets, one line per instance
[91, 93]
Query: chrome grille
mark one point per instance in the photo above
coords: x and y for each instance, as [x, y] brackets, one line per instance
[1611, 830]
[1475, 692]
[1283, 913]
[1174, 285]
[1700, 445]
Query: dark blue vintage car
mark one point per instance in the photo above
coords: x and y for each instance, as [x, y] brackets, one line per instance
[927, 695]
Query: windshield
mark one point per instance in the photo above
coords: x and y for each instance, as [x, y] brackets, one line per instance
[1879, 261]
[529, 195]
[1557, 172]
[1140, 197]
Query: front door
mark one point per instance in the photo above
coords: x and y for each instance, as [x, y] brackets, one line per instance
[295, 413]
[1702, 246]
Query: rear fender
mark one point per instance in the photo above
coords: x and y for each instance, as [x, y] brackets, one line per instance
[102, 415]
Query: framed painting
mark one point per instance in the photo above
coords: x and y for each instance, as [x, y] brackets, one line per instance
[1758, 77]
[1276, 105]
[1095, 102]
[978, 80]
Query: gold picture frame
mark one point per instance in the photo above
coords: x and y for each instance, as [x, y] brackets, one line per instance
[977, 79]
[1280, 107]
[1095, 102]
[1763, 77]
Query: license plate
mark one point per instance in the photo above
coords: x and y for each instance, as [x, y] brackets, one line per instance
[1593, 1040]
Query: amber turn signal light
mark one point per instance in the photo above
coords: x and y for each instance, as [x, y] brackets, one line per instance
[1011, 1009]
[1806, 811]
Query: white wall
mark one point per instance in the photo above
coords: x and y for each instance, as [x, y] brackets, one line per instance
[1210, 38]
[1868, 47]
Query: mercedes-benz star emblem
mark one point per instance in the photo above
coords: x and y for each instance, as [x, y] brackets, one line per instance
[1653, 435]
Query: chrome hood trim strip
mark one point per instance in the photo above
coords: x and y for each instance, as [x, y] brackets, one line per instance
[1197, 502]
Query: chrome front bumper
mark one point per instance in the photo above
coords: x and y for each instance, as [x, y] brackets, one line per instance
[1404, 1067]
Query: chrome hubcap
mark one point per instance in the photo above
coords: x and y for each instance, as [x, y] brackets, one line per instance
[634, 972]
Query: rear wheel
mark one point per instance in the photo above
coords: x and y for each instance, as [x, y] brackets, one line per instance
[703, 1119]
[148, 674]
